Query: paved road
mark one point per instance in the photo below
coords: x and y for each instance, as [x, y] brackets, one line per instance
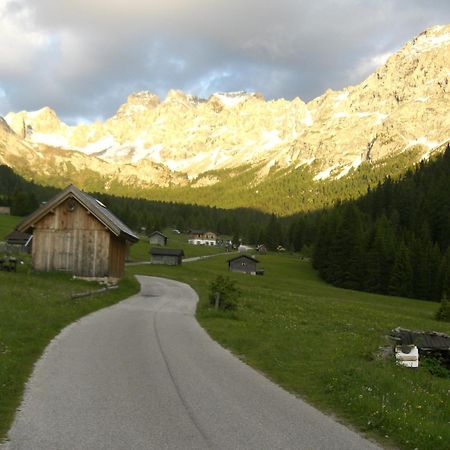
[143, 375]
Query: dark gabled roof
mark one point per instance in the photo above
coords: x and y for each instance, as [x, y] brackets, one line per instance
[194, 231]
[159, 234]
[243, 256]
[94, 206]
[430, 340]
[18, 238]
[166, 251]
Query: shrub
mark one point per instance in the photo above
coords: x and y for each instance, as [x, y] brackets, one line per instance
[444, 310]
[436, 366]
[227, 291]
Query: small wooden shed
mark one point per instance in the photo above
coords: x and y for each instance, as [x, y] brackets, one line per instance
[244, 264]
[169, 256]
[157, 238]
[74, 232]
[19, 242]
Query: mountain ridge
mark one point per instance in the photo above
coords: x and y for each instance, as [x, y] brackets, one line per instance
[186, 141]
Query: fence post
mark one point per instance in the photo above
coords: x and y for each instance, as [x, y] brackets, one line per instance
[216, 300]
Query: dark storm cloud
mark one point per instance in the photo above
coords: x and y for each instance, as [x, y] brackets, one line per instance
[83, 57]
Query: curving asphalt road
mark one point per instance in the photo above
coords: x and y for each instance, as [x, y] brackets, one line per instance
[143, 375]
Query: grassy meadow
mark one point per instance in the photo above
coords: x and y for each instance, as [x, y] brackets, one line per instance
[321, 343]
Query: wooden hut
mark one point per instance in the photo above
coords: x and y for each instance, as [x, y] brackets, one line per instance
[168, 256]
[157, 238]
[244, 264]
[74, 232]
[19, 242]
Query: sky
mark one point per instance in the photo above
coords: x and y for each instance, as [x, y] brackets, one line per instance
[83, 58]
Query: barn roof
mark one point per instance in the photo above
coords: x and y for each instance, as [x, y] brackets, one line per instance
[200, 231]
[243, 256]
[430, 340]
[166, 252]
[18, 238]
[94, 206]
[158, 233]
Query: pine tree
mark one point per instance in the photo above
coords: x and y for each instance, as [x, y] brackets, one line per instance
[401, 276]
[274, 235]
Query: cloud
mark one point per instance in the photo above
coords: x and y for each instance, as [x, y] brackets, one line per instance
[83, 57]
[21, 43]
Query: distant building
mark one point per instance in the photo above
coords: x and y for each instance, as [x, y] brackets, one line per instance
[157, 238]
[244, 248]
[74, 232]
[261, 249]
[244, 264]
[17, 242]
[202, 237]
[5, 210]
[168, 256]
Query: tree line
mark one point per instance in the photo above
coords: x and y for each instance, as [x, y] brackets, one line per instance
[146, 216]
[394, 240]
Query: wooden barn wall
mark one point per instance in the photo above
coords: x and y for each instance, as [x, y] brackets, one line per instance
[71, 241]
[158, 240]
[170, 260]
[117, 253]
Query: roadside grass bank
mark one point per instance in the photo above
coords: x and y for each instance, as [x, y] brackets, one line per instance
[34, 308]
[321, 343]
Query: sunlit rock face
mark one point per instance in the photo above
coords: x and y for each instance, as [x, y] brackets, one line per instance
[404, 104]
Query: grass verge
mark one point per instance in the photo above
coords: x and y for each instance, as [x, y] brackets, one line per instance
[321, 343]
[34, 308]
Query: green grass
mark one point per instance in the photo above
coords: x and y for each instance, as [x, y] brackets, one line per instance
[140, 250]
[7, 224]
[322, 343]
[34, 308]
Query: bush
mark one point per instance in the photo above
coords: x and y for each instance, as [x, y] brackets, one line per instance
[436, 366]
[227, 291]
[444, 311]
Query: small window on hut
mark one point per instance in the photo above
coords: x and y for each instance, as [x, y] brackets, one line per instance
[71, 204]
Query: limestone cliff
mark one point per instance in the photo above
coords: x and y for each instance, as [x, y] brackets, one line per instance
[404, 104]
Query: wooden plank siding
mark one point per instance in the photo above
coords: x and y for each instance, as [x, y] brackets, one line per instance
[71, 240]
[117, 254]
[76, 233]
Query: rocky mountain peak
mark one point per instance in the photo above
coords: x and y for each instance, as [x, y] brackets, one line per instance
[43, 120]
[221, 100]
[138, 103]
[176, 96]
[404, 104]
[430, 39]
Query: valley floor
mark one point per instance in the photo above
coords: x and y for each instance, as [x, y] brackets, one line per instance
[318, 342]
